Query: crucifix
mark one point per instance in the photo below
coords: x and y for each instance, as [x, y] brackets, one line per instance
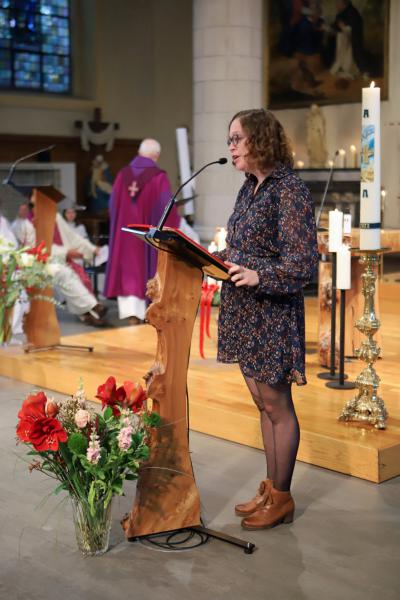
[97, 134]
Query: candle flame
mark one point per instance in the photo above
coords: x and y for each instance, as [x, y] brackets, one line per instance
[342, 151]
[353, 148]
[372, 84]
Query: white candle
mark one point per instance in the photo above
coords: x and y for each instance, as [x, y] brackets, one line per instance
[335, 230]
[212, 247]
[184, 168]
[343, 273]
[354, 158]
[341, 159]
[370, 201]
[347, 224]
[220, 238]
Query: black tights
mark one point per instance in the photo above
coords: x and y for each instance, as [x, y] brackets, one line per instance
[279, 427]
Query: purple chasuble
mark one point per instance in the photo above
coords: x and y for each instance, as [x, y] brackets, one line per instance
[140, 193]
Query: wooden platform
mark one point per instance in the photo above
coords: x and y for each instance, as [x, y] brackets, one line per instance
[220, 404]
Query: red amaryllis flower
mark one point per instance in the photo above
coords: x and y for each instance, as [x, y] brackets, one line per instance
[46, 434]
[135, 396]
[33, 407]
[40, 252]
[111, 396]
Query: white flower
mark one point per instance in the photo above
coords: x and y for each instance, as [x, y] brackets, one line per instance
[26, 259]
[52, 269]
[82, 418]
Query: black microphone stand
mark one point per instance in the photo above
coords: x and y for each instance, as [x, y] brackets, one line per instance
[168, 208]
[7, 180]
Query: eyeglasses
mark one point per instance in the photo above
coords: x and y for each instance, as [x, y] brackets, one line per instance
[235, 139]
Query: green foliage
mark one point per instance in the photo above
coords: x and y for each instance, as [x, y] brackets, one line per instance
[77, 443]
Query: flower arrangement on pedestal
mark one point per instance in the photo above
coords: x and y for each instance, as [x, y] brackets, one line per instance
[90, 453]
[21, 270]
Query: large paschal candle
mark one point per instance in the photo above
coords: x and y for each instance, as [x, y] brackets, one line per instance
[370, 200]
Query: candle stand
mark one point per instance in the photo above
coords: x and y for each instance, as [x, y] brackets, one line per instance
[331, 374]
[341, 384]
[367, 406]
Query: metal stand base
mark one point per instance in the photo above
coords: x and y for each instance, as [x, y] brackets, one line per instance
[337, 385]
[331, 377]
[247, 547]
[29, 349]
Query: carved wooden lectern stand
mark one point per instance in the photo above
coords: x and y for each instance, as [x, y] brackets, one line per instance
[167, 498]
[41, 324]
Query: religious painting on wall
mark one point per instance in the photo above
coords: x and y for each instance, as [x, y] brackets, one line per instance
[325, 51]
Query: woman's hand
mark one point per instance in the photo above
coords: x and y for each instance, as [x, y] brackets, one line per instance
[242, 276]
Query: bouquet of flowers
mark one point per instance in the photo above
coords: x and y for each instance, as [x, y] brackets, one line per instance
[21, 269]
[89, 453]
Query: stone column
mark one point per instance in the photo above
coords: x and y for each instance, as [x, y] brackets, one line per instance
[227, 54]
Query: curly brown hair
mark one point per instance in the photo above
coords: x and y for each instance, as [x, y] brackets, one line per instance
[266, 138]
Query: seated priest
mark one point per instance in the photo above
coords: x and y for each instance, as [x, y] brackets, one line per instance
[67, 245]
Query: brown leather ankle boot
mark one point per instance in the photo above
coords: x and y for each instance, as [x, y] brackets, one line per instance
[259, 500]
[279, 509]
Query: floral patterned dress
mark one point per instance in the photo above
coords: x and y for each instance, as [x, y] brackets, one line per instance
[273, 232]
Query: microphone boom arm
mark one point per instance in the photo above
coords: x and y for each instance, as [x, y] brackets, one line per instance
[171, 202]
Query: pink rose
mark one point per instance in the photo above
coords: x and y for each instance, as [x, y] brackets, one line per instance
[82, 418]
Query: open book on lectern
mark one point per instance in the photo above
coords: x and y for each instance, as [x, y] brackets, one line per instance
[173, 240]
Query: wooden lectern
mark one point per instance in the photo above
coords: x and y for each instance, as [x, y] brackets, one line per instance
[167, 497]
[41, 324]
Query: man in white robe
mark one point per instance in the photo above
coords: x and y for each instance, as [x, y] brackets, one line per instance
[80, 301]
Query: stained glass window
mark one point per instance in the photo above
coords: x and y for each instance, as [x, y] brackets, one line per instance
[35, 45]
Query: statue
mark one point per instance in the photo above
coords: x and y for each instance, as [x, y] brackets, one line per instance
[316, 138]
[100, 185]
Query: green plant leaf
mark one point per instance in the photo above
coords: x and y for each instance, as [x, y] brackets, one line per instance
[78, 444]
[108, 413]
[152, 420]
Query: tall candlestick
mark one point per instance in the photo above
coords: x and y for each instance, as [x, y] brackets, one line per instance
[370, 201]
[343, 272]
[335, 230]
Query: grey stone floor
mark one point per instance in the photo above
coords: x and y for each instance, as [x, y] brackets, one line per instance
[344, 543]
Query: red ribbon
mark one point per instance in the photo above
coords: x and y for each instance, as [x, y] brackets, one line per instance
[207, 295]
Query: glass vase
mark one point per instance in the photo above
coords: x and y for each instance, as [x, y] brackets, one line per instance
[92, 529]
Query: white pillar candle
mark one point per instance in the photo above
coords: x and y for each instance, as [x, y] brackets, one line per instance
[343, 272]
[335, 230]
[341, 159]
[347, 224]
[370, 201]
[212, 247]
[354, 157]
[220, 238]
[184, 168]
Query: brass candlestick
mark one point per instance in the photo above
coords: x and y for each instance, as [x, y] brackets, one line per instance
[367, 405]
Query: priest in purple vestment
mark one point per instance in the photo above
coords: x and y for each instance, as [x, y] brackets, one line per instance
[140, 193]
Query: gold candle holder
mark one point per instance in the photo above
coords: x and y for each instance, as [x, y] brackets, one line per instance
[367, 406]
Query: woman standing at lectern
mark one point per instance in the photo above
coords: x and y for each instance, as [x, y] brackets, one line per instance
[272, 253]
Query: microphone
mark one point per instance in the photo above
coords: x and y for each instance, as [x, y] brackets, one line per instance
[168, 208]
[7, 180]
[321, 208]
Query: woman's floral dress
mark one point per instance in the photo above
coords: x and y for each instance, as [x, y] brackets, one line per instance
[272, 232]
